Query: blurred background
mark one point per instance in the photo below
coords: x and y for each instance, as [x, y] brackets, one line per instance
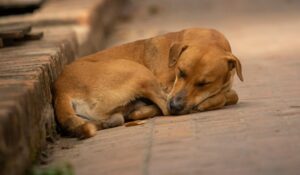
[259, 135]
[264, 25]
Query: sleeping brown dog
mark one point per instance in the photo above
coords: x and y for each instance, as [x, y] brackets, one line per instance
[97, 95]
[195, 67]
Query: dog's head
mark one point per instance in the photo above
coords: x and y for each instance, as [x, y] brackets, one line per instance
[200, 74]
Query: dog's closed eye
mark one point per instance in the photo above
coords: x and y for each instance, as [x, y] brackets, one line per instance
[201, 84]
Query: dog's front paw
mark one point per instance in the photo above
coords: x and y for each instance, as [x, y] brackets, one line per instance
[218, 101]
[207, 105]
[200, 108]
[231, 97]
[215, 102]
[144, 112]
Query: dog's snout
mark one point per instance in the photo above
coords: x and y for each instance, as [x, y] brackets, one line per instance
[176, 105]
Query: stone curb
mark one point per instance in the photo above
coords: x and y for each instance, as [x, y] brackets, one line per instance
[28, 70]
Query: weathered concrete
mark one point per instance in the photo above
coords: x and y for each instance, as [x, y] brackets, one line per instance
[28, 70]
[260, 135]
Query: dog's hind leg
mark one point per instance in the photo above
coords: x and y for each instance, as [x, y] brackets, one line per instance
[67, 118]
[114, 120]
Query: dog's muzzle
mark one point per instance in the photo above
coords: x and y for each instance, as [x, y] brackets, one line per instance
[176, 105]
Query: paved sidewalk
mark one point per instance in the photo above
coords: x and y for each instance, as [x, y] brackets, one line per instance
[259, 135]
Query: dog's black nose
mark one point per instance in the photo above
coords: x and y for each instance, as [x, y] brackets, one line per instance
[175, 105]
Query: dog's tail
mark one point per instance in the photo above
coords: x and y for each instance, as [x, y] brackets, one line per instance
[69, 121]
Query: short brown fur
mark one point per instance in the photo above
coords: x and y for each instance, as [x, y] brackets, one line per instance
[203, 54]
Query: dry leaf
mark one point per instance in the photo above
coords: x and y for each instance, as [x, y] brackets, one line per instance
[135, 123]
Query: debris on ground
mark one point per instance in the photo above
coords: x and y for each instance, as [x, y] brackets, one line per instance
[135, 123]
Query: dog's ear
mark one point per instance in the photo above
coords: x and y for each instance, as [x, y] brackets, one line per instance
[176, 50]
[234, 62]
